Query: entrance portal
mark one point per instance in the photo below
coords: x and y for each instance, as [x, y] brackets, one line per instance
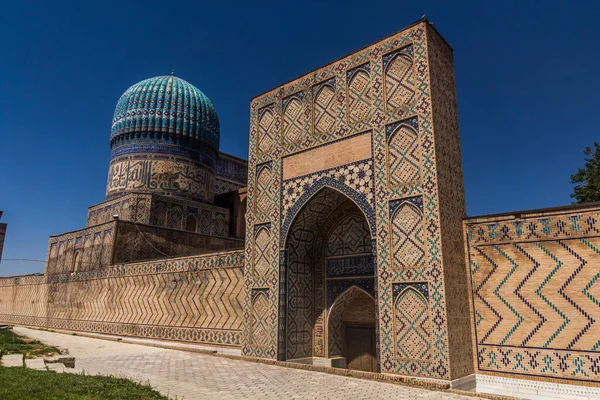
[331, 311]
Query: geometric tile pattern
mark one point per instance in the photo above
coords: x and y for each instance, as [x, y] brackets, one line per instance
[293, 118]
[399, 79]
[260, 320]
[264, 192]
[536, 302]
[400, 88]
[408, 245]
[268, 130]
[324, 111]
[357, 177]
[197, 299]
[336, 319]
[412, 327]
[263, 254]
[403, 154]
[358, 98]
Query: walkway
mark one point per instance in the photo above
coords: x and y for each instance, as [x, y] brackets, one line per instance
[201, 376]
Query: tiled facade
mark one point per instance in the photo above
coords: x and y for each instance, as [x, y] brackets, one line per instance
[195, 299]
[535, 300]
[398, 96]
[355, 217]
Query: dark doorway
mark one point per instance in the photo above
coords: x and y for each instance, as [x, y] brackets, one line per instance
[360, 351]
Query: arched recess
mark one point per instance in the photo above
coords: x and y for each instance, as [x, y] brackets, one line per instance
[76, 261]
[263, 254]
[404, 160]
[317, 273]
[412, 325]
[265, 131]
[359, 98]
[264, 192]
[260, 325]
[399, 82]
[190, 223]
[327, 183]
[344, 312]
[407, 238]
[293, 125]
[324, 110]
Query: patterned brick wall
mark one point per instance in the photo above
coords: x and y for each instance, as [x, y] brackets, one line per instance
[535, 303]
[399, 94]
[195, 299]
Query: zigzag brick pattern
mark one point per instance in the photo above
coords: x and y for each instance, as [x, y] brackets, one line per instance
[536, 294]
[196, 299]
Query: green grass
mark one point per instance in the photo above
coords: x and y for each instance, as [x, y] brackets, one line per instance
[11, 344]
[22, 383]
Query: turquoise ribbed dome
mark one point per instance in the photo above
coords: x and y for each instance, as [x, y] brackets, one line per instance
[165, 109]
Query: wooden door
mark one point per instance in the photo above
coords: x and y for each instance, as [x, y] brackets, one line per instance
[360, 348]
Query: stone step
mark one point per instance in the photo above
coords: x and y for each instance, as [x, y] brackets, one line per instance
[56, 367]
[12, 360]
[35, 363]
[68, 361]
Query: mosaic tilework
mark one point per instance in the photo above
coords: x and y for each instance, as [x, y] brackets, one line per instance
[403, 157]
[355, 180]
[399, 79]
[335, 326]
[166, 104]
[260, 320]
[412, 326]
[173, 176]
[324, 108]
[268, 130]
[263, 250]
[535, 301]
[195, 299]
[452, 201]
[400, 89]
[294, 119]
[263, 203]
[358, 99]
[407, 235]
[352, 255]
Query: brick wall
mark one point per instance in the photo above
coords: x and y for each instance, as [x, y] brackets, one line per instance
[193, 299]
[535, 293]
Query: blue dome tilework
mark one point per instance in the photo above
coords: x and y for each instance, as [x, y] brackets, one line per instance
[166, 108]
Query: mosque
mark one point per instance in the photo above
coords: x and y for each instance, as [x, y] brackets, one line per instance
[343, 242]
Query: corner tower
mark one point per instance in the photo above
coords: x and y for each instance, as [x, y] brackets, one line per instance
[164, 140]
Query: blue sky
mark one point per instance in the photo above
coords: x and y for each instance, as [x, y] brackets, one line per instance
[527, 83]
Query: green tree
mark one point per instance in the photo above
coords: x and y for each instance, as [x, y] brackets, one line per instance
[587, 179]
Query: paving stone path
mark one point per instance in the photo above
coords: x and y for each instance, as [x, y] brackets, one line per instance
[200, 376]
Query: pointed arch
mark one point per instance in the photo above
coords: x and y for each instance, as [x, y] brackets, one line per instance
[399, 82]
[412, 325]
[293, 126]
[335, 318]
[324, 110]
[266, 124]
[260, 325]
[263, 254]
[327, 183]
[407, 238]
[404, 160]
[263, 198]
[358, 99]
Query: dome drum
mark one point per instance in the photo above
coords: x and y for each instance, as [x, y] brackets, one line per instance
[165, 140]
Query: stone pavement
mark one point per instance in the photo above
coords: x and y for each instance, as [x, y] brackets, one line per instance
[188, 375]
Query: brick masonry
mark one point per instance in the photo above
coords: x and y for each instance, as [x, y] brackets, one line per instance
[193, 299]
[535, 302]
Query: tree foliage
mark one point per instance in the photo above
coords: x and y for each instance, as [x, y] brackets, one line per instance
[587, 179]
